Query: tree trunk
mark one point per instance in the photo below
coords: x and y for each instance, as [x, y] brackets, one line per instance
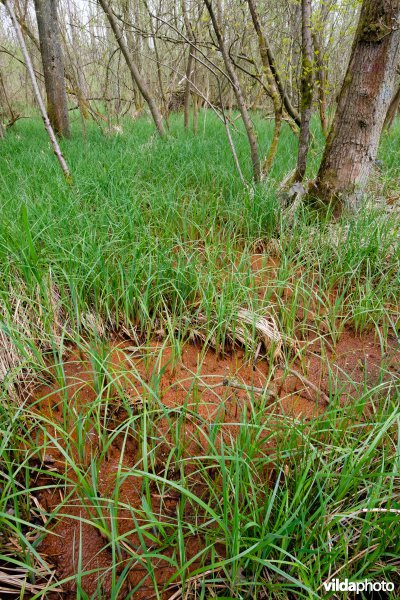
[321, 76]
[31, 72]
[189, 66]
[272, 87]
[251, 135]
[269, 64]
[363, 102]
[306, 89]
[392, 110]
[186, 117]
[195, 114]
[53, 65]
[158, 65]
[130, 16]
[136, 77]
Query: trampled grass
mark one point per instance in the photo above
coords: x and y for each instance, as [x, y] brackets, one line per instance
[158, 240]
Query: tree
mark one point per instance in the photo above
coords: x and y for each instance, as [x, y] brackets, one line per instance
[272, 86]
[363, 103]
[189, 66]
[251, 134]
[31, 72]
[136, 76]
[53, 65]
[306, 88]
[269, 65]
[393, 109]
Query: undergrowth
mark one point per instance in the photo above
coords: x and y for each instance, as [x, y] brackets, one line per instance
[159, 239]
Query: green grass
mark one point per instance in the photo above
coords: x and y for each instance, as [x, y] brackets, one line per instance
[150, 226]
[158, 236]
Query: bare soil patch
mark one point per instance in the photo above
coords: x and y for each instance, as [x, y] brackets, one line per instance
[181, 383]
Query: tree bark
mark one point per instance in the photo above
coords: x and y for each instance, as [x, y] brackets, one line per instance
[363, 102]
[53, 65]
[136, 77]
[306, 89]
[251, 135]
[321, 76]
[31, 72]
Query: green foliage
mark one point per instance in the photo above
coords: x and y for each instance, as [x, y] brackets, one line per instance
[152, 236]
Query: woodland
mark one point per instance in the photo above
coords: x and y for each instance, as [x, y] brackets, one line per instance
[199, 299]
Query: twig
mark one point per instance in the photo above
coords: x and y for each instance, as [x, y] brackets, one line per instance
[269, 390]
[307, 382]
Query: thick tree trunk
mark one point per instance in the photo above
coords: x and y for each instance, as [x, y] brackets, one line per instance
[53, 65]
[31, 72]
[363, 103]
[306, 89]
[136, 77]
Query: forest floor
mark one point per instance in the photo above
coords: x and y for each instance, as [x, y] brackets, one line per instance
[200, 398]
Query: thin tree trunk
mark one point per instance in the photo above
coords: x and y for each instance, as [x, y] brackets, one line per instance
[189, 66]
[251, 135]
[292, 112]
[195, 114]
[74, 74]
[392, 110]
[321, 75]
[273, 149]
[363, 103]
[306, 89]
[137, 78]
[53, 65]
[132, 47]
[186, 114]
[4, 99]
[31, 72]
[272, 87]
[158, 65]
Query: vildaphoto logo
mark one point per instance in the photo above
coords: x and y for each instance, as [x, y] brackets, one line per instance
[337, 585]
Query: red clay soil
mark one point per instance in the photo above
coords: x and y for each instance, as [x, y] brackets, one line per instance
[354, 359]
